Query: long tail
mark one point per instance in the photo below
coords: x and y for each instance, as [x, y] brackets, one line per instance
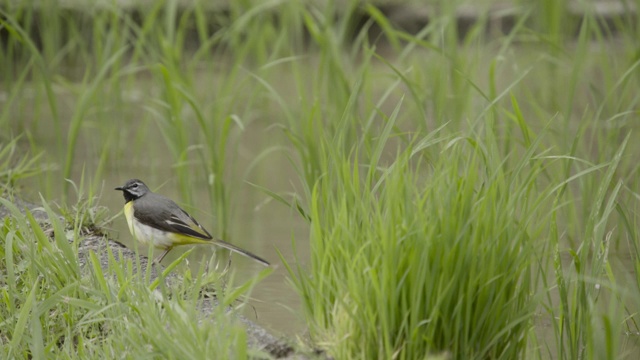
[234, 248]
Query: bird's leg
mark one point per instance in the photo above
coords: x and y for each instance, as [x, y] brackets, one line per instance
[159, 258]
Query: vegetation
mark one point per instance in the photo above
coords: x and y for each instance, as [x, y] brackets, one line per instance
[52, 309]
[468, 194]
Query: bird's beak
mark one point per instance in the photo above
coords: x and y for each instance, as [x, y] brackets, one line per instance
[119, 188]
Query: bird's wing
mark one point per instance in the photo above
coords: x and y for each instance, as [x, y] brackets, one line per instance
[168, 216]
[184, 223]
[162, 213]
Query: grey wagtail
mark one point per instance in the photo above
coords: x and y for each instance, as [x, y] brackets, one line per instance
[157, 220]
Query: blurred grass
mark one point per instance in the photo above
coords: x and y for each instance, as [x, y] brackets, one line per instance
[467, 195]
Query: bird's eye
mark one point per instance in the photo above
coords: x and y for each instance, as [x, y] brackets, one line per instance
[134, 186]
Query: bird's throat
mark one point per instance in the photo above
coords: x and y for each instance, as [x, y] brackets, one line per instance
[128, 214]
[128, 198]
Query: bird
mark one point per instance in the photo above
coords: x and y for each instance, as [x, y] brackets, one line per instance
[156, 220]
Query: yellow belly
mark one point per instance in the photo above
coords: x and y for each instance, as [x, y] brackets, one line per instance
[151, 236]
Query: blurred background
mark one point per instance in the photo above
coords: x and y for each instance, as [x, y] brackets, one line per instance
[221, 105]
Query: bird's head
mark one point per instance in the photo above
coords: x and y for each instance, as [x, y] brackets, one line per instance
[133, 189]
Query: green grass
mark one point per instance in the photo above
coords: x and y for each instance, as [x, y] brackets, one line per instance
[466, 195]
[52, 308]
[15, 166]
[413, 266]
